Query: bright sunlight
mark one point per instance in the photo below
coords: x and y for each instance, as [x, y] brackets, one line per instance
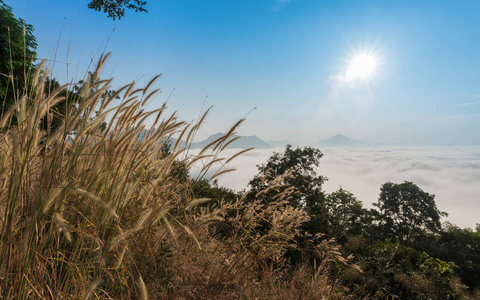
[361, 66]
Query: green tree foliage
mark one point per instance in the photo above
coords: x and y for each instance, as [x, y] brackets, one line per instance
[394, 271]
[204, 189]
[406, 212]
[71, 99]
[17, 63]
[56, 115]
[303, 181]
[303, 163]
[390, 243]
[116, 8]
[462, 246]
[17, 55]
[346, 214]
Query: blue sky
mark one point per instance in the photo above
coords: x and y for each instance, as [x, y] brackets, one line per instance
[286, 58]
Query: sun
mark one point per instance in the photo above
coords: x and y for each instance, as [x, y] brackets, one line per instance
[361, 66]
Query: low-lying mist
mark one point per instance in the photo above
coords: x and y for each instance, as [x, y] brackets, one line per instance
[452, 174]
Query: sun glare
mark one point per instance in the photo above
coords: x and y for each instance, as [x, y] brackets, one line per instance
[362, 66]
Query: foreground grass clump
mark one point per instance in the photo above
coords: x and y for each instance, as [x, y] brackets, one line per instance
[108, 213]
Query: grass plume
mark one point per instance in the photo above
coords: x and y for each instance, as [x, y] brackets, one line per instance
[108, 213]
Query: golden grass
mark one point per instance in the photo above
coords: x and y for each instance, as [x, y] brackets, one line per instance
[106, 214]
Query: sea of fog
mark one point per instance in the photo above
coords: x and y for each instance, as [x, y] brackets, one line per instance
[452, 174]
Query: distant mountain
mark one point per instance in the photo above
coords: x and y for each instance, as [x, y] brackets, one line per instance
[342, 141]
[243, 142]
[280, 144]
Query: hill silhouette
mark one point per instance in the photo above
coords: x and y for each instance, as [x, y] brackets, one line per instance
[243, 142]
[341, 140]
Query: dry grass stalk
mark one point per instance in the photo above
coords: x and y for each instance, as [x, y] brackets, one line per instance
[72, 210]
[108, 214]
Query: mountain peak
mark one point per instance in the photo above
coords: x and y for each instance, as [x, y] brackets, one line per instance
[243, 142]
[339, 137]
[340, 140]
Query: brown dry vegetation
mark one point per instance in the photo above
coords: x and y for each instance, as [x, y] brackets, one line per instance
[109, 215]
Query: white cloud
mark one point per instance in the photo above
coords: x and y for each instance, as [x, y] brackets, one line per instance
[451, 173]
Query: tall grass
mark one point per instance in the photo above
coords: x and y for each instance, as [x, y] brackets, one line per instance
[108, 213]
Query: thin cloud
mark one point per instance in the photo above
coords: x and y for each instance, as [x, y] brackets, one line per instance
[470, 103]
[476, 96]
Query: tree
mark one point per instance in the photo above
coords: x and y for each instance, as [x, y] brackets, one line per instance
[462, 246]
[304, 178]
[304, 182]
[346, 215]
[394, 271]
[202, 188]
[116, 8]
[406, 212]
[17, 55]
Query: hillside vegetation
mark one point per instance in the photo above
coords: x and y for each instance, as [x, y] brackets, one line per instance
[96, 210]
[97, 207]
